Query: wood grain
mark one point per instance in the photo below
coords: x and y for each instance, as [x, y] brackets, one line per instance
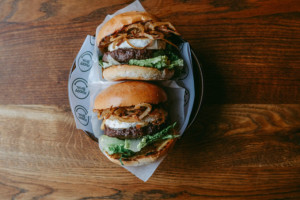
[249, 48]
[245, 144]
[234, 152]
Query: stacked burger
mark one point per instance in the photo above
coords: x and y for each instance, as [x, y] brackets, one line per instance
[136, 46]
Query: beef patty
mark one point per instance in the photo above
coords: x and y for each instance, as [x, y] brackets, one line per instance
[124, 55]
[133, 132]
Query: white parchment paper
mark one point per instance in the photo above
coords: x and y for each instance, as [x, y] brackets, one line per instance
[181, 92]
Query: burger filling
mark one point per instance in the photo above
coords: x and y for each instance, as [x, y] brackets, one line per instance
[159, 59]
[127, 130]
[142, 44]
[132, 132]
[124, 55]
[139, 43]
[129, 147]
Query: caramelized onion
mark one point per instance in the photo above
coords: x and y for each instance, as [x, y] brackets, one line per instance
[168, 24]
[128, 120]
[146, 112]
[168, 31]
[137, 26]
[117, 37]
[118, 40]
[102, 124]
[104, 114]
[159, 115]
[151, 30]
[148, 26]
[119, 111]
[140, 113]
[148, 36]
[156, 34]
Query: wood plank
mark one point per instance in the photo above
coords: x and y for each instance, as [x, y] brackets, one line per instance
[249, 49]
[232, 151]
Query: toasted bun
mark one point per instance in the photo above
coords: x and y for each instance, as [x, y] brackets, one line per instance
[116, 23]
[146, 156]
[133, 72]
[128, 94]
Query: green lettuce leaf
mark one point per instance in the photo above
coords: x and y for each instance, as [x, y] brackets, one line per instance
[168, 58]
[158, 62]
[129, 147]
[168, 52]
[111, 61]
[175, 60]
[161, 135]
[120, 149]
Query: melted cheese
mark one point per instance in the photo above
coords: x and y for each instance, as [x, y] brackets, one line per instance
[141, 43]
[116, 124]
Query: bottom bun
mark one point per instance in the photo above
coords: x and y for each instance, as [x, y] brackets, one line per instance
[123, 72]
[147, 155]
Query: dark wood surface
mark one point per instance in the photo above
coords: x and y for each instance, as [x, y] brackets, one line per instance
[249, 49]
[245, 143]
[245, 151]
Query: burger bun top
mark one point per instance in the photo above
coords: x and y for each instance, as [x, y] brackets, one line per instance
[116, 23]
[128, 94]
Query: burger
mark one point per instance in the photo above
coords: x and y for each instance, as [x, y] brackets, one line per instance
[135, 123]
[137, 46]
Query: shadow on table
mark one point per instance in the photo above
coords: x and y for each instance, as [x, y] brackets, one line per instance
[204, 144]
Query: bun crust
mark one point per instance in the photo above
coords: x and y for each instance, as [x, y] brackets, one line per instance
[145, 157]
[128, 94]
[133, 72]
[116, 23]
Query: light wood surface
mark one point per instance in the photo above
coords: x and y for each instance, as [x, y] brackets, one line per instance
[245, 143]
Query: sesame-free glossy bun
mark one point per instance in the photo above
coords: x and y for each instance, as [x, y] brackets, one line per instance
[116, 23]
[133, 72]
[128, 94]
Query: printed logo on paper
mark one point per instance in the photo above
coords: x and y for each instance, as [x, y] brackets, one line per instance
[92, 41]
[85, 61]
[184, 73]
[81, 115]
[80, 88]
[186, 96]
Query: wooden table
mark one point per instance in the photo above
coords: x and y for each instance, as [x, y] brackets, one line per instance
[245, 143]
